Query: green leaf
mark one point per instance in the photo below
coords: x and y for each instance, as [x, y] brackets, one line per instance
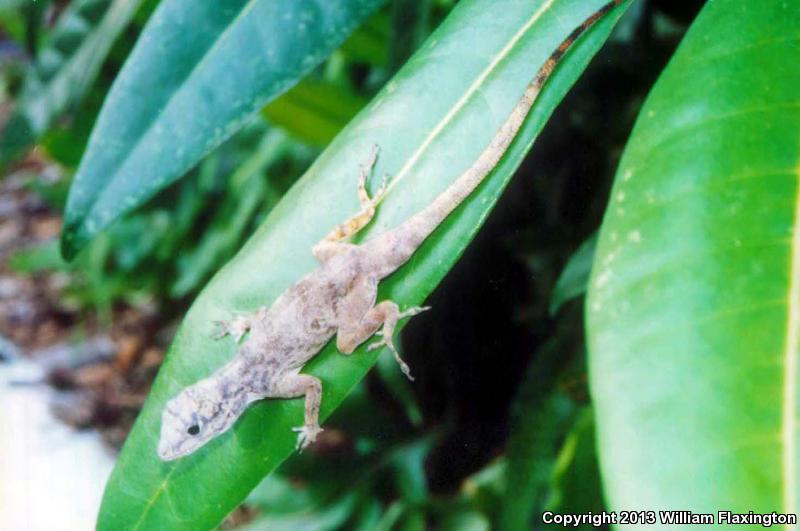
[531, 467]
[329, 519]
[694, 302]
[64, 70]
[248, 190]
[575, 277]
[37, 258]
[409, 471]
[197, 72]
[391, 516]
[540, 417]
[465, 520]
[369, 43]
[576, 487]
[432, 119]
[314, 111]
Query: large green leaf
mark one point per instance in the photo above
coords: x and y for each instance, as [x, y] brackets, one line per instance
[694, 304]
[197, 72]
[432, 120]
[64, 69]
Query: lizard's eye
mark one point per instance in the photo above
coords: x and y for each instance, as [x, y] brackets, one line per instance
[194, 429]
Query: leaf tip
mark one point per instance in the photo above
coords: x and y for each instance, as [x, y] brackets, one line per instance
[73, 239]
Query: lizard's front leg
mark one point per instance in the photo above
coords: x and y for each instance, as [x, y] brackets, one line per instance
[333, 242]
[384, 316]
[239, 325]
[296, 385]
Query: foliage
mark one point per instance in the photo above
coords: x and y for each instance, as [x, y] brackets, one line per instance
[198, 71]
[278, 254]
[197, 196]
[573, 280]
[64, 69]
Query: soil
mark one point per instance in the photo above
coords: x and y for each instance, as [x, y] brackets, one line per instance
[102, 372]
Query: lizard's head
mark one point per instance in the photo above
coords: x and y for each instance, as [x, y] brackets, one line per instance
[191, 419]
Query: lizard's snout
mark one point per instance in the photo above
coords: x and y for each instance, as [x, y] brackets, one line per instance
[164, 451]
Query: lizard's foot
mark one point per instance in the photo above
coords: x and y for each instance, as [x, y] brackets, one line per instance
[236, 328]
[387, 342]
[306, 435]
[361, 219]
[388, 331]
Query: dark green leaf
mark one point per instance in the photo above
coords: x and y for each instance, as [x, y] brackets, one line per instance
[575, 277]
[576, 487]
[694, 302]
[369, 43]
[532, 451]
[198, 71]
[409, 465]
[541, 415]
[432, 119]
[369, 516]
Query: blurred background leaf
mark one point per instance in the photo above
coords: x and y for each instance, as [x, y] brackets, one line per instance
[574, 279]
[64, 69]
[575, 484]
[314, 111]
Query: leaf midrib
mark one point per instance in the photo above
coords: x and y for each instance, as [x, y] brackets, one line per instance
[471, 90]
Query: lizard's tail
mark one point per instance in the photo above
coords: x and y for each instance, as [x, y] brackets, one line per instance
[424, 222]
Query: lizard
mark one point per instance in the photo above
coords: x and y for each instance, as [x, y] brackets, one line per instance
[336, 299]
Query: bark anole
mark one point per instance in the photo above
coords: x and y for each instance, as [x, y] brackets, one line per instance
[338, 298]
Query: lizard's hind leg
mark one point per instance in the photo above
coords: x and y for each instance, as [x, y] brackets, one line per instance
[383, 316]
[327, 247]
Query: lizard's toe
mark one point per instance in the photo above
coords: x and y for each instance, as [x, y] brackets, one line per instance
[376, 345]
[411, 312]
[306, 435]
[405, 369]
